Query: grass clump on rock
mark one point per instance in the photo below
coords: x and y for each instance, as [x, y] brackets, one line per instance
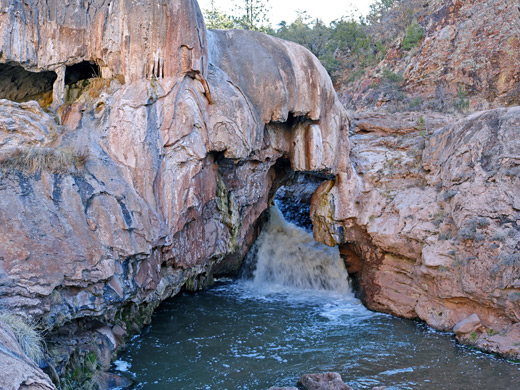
[28, 337]
[33, 160]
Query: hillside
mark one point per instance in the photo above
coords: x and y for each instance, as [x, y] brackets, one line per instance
[468, 58]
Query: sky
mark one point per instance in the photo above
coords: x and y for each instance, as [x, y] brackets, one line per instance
[326, 10]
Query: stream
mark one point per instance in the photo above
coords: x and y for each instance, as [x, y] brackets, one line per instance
[292, 312]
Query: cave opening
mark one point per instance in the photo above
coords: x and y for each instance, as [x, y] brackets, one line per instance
[294, 196]
[78, 77]
[20, 85]
[81, 71]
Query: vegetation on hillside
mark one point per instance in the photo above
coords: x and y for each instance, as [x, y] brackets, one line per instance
[366, 57]
[347, 44]
[247, 15]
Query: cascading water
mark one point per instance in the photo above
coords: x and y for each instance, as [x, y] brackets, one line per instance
[286, 256]
[293, 313]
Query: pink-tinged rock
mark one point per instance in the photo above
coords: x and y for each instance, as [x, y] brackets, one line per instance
[432, 214]
[107, 332]
[137, 40]
[504, 341]
[18, 372]
[281, 96]
[323, 381]
[467, 325]
[469, 52]
[461, 39]
[186, 148]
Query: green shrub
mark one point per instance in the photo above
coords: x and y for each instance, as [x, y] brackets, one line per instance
[445, 236]
[461, 104]
[449, 194]
[81, 372]
[414, 34]
[415, 104]
[27, 336]
[499, 236]
[467, 234]
[392, 77]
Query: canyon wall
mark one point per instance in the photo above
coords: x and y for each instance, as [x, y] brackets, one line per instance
[433, 228]
[138, 153]
[142, 178]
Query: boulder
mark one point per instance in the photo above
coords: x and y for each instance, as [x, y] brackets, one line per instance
[109, 380]
[283, 388]
[323, 381]
[467, 325]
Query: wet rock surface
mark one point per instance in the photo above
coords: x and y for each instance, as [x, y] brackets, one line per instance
[323, 381]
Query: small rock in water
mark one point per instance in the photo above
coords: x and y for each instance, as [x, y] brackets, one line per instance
[323, 381]
[109, 380]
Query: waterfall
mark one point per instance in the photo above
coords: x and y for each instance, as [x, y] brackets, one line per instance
[287, 256]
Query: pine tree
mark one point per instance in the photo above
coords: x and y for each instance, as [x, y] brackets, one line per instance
[216, 19]
[252, 14]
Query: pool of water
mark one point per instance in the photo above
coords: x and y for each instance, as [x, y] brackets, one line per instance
[286, 319]
[233, 336]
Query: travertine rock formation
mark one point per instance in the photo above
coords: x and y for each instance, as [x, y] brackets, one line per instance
[186, 139]
[156, 147]
[433, 224]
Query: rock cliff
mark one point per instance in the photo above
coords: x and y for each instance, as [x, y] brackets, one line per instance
[138, 153]
[147, 162]
[433, 230]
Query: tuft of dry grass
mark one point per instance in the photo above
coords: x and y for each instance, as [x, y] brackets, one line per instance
[36, 159]
[27, 336]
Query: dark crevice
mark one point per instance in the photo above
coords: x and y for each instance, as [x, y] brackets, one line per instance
[83, 71]
[294, 196]
[20, 85]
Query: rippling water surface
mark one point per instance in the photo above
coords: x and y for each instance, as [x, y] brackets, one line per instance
[266, 331]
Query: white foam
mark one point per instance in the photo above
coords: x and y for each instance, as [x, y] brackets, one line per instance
[397, 371]
[122, 365]
[288, 258]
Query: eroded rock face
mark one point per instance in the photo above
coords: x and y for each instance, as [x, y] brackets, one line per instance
[19, 372]
[185, 151]
[131, 38]
[432, 225]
